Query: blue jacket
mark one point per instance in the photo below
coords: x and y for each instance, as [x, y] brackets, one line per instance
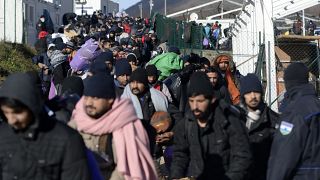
[44, 59]
[295, 151]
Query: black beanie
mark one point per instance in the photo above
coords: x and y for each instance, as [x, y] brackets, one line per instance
[296, 74]
[139, 75]
[200, 84]
[71, 85]
[174, 49]
[105, 57]
[250, 83]
[152, 70]
[132, 57]
[100, 86]
[122, 67]
[98, 67]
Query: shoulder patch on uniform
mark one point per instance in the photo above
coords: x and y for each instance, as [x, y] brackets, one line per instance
[285, 128]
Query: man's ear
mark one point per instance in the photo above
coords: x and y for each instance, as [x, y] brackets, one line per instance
[111, 100]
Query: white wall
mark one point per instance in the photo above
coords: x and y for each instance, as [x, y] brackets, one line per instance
[18, 18]
[11, 20]
[56, 9]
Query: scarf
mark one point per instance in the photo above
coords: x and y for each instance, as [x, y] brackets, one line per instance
[57, 58]
[252, 117]
[232, 88]
[130, 139]
[159, 100]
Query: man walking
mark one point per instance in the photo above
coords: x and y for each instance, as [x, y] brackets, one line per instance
[146, 100]
[260, 122]
[210, 142]
[112, 130]
[33, 145]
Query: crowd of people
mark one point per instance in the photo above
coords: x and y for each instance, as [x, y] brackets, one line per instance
[112, 102]
[215, 37]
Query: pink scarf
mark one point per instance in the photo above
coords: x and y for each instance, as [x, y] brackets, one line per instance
[131, 141]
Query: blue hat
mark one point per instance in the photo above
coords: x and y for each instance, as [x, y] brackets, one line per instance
[250, 83]
[122, 67]
[174, 49]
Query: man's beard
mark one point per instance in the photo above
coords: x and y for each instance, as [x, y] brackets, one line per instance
[95, 115]
[255, 105]
[135, 91]
[198, 114]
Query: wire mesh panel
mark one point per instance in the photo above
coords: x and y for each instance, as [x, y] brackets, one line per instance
[306, 52]
[178, 33]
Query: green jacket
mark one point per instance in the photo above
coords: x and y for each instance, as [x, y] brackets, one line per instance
[167, 63]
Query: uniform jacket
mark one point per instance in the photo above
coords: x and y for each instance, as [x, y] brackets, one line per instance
[295, 148]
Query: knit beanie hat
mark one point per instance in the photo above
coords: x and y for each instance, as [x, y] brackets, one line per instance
[200, 84]
[98, 67]
[122, 67]
[174, 49]
[100, 86]
[250, 83]
[296, 74]
[132, 57]
[152, 70]
[105, 57]
[139, 75]
[72, 85]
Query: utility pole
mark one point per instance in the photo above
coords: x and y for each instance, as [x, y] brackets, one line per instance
[165, 7]
[222, 9]
[140, 6]
[303, 24]
[151, 5]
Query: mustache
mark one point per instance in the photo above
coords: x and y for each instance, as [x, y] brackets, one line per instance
[254, 100]
[90, 107]
[135, 89]
[197, 110]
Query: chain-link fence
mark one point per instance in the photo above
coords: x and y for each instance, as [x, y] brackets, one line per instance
[246, 52]
[294, 51]
[178, 33]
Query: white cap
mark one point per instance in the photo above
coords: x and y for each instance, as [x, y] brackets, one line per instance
[51, 45]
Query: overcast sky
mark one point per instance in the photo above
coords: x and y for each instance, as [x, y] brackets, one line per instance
[124, 4]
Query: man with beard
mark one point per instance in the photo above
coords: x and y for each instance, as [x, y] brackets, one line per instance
[122, 72]
[220, 90]
[111, 129]
[153, 75]
[230, 74]
[210, 143]
[260, 121]
[146, 100]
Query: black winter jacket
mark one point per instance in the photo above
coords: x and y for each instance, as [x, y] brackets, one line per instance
[220, 151]
[260, 137]
[46, 149]
[295, 152]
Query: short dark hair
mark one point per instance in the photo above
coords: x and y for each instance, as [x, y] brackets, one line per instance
[212, 70]
[207, 96]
